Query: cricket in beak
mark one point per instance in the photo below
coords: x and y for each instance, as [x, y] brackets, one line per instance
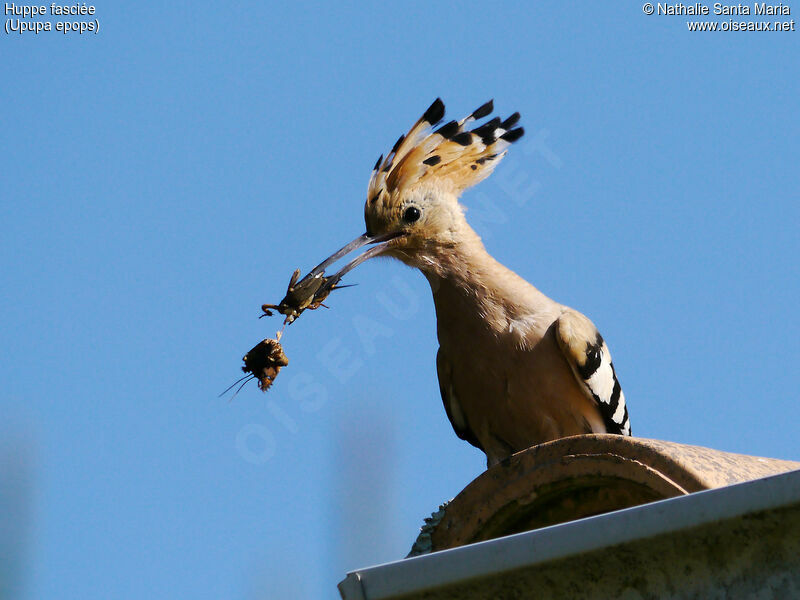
[312, 290]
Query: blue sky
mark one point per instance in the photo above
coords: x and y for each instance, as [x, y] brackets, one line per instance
[162, 179]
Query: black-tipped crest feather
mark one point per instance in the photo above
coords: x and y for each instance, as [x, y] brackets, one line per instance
[397, 143]
[483, 110]
[464, 138]
[510, 121]
[448, 130]
[513, 135]
[487, 129]
[435, 112]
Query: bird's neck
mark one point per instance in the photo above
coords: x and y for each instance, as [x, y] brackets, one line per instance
[470, 287]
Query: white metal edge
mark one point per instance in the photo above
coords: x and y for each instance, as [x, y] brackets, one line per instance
[559, 541]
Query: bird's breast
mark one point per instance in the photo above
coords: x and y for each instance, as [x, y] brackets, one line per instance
[513, 395]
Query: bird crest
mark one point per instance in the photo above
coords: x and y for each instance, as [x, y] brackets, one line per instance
[457, 155]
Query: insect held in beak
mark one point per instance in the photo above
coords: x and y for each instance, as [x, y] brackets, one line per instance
[300, 295]
[311, 291]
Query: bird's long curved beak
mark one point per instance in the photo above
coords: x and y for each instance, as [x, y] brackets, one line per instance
[380, 243]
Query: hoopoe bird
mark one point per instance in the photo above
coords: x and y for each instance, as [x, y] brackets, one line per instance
[515, 367]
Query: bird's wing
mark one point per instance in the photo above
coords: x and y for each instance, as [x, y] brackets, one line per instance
[451, 406]
[590, 360]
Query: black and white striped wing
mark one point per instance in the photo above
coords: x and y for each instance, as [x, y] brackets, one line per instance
[590, 359]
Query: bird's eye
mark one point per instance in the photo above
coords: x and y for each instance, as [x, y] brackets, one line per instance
[411, 214]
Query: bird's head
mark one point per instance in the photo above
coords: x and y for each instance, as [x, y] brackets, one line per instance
[412, 211]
